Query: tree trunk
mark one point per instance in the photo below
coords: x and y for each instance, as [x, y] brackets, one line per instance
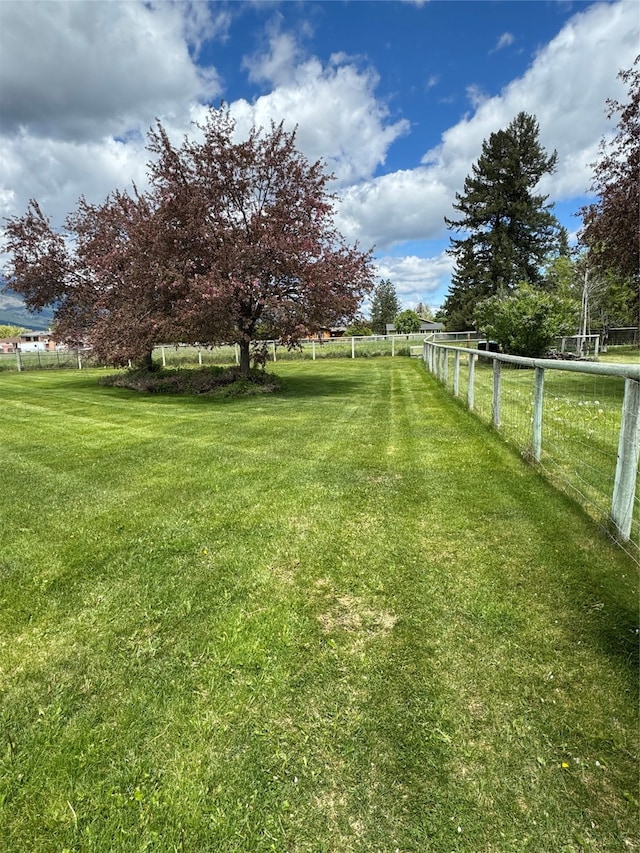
[145, 362]
[245, 360]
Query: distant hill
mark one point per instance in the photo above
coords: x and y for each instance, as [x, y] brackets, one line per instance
[13, 312]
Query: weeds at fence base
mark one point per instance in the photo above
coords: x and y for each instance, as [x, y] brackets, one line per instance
[213, 381]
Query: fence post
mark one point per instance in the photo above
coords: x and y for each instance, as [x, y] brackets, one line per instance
[18, 362]
[495, 408]
[79, 360]
[164, 358]
[393, 345]
[538, 398]
[456, 373]
[353, 347]
[237, 354]
[313, 350]
[472, 377]
[627, 466]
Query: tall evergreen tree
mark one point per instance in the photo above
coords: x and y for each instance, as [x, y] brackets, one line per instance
[508, 228]
[384, 306]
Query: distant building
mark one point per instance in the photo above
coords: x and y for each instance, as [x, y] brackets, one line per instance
[8, 345]
[36, 342]
[324, 333]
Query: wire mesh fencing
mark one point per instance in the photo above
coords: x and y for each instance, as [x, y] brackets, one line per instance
[365, 346]
[181, 355]
[64, 359]
[579, 422]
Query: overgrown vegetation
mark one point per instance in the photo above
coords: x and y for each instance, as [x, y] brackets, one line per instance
[526, 321]
[225, 381]
[354, 622]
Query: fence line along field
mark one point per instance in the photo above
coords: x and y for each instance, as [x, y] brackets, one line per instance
[341, 617]
[181, 355]
[573, 431]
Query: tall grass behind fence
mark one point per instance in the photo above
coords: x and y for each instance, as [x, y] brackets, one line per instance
[179, 355]
[67, 359]
[573, 430]
[348, 347]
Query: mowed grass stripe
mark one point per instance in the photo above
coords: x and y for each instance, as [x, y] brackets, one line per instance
[340, 618]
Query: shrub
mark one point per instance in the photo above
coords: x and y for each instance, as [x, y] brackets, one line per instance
[221, 381]
[526, 321]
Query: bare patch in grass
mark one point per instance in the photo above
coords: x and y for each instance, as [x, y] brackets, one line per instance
[286, 571]
[350, 614]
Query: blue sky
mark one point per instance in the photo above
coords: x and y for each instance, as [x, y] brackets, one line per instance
[396, 97]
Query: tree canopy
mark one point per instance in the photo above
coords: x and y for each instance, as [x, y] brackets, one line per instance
[611, 225]
[527, 320]
[232, 238]
[407, 322]
[424, 311]
[9, 331]
[384, 306]
[508, 228]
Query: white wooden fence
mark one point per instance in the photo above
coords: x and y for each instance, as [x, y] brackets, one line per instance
[603, 429]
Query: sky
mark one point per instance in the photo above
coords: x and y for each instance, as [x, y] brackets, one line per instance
[395, 98]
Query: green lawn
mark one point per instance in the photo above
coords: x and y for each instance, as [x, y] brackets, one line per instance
[344, 617]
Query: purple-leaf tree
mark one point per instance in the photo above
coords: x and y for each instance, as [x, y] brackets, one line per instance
[232, 240]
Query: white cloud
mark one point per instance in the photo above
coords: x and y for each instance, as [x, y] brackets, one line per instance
[566, 88]
[505, 40]
[58, 172]
[278, 65]
[74, 76]
[124, 64]
[394, 208]
[89, 70]
[476, 95]
[334, 107]
[416, 279]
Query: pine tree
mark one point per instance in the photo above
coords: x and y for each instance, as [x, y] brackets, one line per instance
[509, 229]
[384, 306]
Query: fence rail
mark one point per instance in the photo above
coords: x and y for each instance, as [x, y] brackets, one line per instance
[68, 359]
[363, 346]
[179, 355]
[579, 421]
